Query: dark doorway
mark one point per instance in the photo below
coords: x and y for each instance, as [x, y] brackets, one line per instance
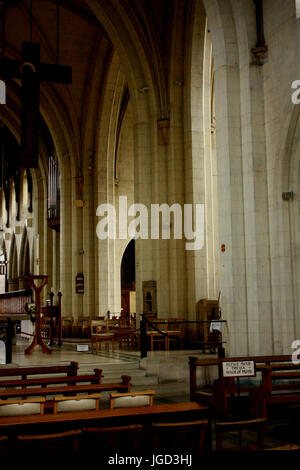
[128, 283]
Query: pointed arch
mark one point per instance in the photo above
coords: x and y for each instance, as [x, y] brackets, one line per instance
[24, 262]
[13, 268]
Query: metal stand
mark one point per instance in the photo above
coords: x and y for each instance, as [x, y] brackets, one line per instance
[143, 327]
[37, 339]
[59, 343]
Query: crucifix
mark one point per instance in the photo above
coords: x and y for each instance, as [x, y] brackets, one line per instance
[31, 71]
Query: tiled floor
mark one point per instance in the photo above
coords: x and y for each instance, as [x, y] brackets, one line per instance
[66, 353]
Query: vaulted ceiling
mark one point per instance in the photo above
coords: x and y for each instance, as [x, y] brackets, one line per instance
[80, 33]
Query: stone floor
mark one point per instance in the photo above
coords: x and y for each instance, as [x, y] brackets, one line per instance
[166, 372]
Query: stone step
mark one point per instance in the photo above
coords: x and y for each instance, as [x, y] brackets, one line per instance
[112, 367]
[108, 374]
[113, 371]
[174, 367]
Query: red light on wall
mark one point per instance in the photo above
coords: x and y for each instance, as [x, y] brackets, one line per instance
[223, 248]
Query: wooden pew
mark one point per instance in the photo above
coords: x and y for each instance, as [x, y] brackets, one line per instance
[279, 362]
[224, 388]
[280, 393]
[45, 381]
[66, 389]
[104, 417]
[23, 372]
[109, 419]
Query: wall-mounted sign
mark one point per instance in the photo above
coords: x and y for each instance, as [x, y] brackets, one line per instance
[82, 347]
[238, 369]
[80, 283]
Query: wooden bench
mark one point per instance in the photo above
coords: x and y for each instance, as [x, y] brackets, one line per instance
[105, 416]
[277, 362]
[279, 393]
[67, 390]
[45, 381]
[23, 372]
[114, 419]
[224, 388]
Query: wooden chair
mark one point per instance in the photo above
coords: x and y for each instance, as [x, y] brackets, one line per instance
[255, 425]
[67, 326]
[77, 403]
[187, 435]
[125, 438]
[175, 330]
[126, 337]
[124, 400]
[155, 337]
[63, 441]
[101, 334]
[30, 406]
[83, 326]
[98, 326]
[113, 324]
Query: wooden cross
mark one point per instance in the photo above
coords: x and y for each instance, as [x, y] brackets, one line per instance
[32, 72]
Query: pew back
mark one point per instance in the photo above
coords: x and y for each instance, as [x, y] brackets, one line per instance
[23, 372]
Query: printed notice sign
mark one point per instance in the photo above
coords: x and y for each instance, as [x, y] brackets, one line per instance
[82, 347]
[238, 369]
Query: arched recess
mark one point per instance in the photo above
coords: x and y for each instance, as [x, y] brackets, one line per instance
[13, 267]
[104, 184]
[137, 70]
[290, 204]
[3, 268]
[24, 195]
[128, 293]
[3, 212]
[284, 193]
[123, 188]
[24, 261]
[201, 164]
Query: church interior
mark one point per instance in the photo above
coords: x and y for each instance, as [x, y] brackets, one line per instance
[149, 226]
